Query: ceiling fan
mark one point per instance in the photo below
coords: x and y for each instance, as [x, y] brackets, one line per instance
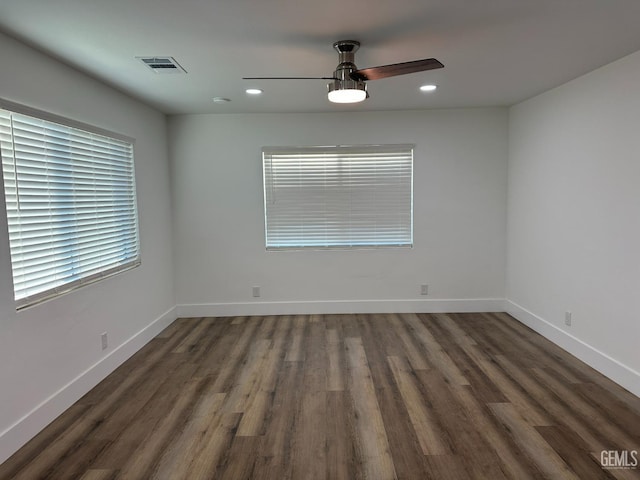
[348, 84]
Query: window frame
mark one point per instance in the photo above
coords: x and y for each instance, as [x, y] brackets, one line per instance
[83, 280]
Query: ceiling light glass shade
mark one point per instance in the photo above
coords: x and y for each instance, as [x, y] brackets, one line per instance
[253, 91]
[347, 91]
[347, 95]
[428, 88]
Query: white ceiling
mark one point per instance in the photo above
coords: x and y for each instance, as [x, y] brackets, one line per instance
[496, 52]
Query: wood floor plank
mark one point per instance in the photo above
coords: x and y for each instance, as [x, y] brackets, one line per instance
[316, 359]
[126, 412]
[195, 335]
[284, 412]
[342, 443]
[257, 405]
[210, 338]
[564, 415]
[213, 358]
[274, 457]
[464, 435]
[447, 467]
[584, 410]
[309, 441]
[408, 459]
[247, 380]
[575, 453]
[76, 435]
[527, 380]
[512, 461]
[389, 342]
[77, 462]
[565, 360]
[214, 446]
[335, 368]
[309, 452]
[239, 461]
[181, 452]
[376, 456]
[616, 411]
[458, 333]
[136, 427]
[132, 371]
[266, 328]
[533, 355]
[357, 397]
[172, 329]
[416, 356]
[31, 450]
[98, 475]
[296, 352]
[454, 340]
[436, 355]
[501, 342]
[425, 425]
[532, 443]
[225, 376]
[157, 438]
[529, 409]
[238, 320]
[567, 405]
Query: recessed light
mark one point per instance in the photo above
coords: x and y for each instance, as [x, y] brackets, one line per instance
[253, 91]
[428, 88]
[221, 100]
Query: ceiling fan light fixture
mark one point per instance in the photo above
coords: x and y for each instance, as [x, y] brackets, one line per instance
[347, 95]
[347, 91]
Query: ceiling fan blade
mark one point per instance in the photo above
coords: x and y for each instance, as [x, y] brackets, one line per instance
[384, 71]
[289, 78]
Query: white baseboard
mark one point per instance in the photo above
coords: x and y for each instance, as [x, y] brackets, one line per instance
[609, 367]
[340, 306]
[33, 422]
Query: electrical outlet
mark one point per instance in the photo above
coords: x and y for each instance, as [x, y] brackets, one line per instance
[424, 289]
[567, 319]
[256, 291]
[104, 340]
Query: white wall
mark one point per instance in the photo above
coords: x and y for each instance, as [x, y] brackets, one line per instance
[574, 217]
[51, 354]
[459, 205]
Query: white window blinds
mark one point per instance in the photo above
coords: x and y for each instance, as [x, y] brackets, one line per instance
[344, 196]
[71, 205]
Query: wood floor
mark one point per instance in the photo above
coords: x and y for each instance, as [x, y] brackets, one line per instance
[407, 396]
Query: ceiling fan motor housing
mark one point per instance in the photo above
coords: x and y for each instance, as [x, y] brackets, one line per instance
[346, 56]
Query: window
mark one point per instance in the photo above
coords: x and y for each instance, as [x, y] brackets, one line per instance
[70, 201]
[343, 196]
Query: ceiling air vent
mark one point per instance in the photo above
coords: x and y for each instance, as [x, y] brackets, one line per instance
[162, 64]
